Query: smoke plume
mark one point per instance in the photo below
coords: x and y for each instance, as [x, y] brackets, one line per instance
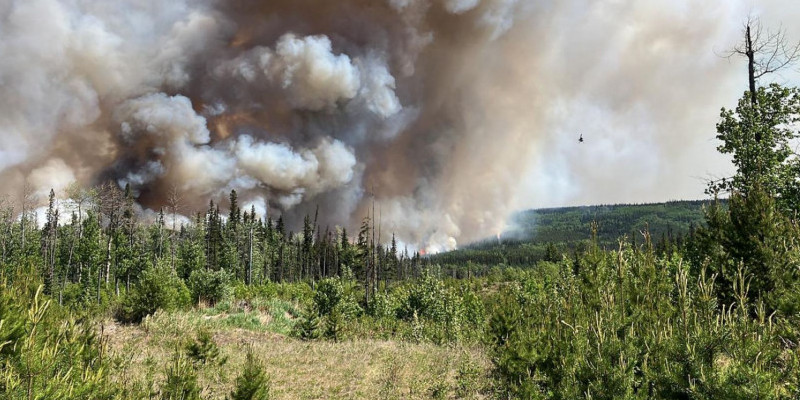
[447, 115]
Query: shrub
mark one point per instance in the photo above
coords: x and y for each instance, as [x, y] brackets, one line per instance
[253, 383]
[244, 291]
[12, 324]
[335, 294]
[383, 305]
[328, 294]
[307, 326]
[157, 289]
[181, 383]
[210, 286]
[37, 347]
[203, 350]
[631, 325]
[425, 299]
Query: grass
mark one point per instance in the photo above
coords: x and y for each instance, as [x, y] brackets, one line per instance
[352, 369]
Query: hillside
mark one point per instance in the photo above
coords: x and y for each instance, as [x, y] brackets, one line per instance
[568, 228]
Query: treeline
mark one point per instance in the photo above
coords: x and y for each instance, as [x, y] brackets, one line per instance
[547, 234]
[103, 246]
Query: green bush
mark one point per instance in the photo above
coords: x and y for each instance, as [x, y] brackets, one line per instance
[307, 326]
[630, 325]
[181, 383]
[328, 294]
[44, 357]
[210, 286]
[203, 349]
[253, 383]
[442, 311]
[267, 290]
[383, 305]
[12, 324]
[335, 294]
[157, 289]
[426, 299]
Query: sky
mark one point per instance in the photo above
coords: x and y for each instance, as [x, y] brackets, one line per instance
[445, 116]
[646, 102]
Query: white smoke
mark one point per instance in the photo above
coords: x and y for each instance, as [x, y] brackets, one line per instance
[55, 174]
[314, 78]
[449, 114]
[277, 166]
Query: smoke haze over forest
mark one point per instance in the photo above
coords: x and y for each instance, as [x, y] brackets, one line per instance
[449, 114]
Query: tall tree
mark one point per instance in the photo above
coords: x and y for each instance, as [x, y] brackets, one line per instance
[49, 236]
[174, 203]
[767, 52]
[767, 159]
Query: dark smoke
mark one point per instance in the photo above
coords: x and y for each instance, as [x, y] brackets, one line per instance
[435, 110]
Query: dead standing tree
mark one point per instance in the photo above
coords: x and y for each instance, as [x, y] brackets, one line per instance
[110, 202]
[767, 52]
[174, 202]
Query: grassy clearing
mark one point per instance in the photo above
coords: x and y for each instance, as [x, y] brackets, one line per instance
[360, 369]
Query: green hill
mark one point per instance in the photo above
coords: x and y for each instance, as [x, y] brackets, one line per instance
[568, 228]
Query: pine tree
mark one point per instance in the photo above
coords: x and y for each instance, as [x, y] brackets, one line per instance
[253, 383]
[49, 236]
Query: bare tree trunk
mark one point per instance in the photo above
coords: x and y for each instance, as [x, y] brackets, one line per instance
[174, 200]
[250, 256]
[108, 258]
[751, 70]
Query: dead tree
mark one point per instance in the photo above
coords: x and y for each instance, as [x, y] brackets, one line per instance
[111, 202]
[767, 52]
[174, 203]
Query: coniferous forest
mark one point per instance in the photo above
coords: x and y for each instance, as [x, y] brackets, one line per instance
[100, 302]
[103, 305]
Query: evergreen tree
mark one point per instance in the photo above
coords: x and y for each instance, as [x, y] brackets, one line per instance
[253, 383]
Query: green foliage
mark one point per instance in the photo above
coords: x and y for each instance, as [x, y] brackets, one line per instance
[253, 383]
[444, 313]
[759, 137]
[12, 324]
[157, 289]
[203, 350]
[426, 299]
[210, 286]
[336, 295]
[633, 325]
[307, 326]
[335, 304]
[45, 358]
[547, 234]
[181, 382]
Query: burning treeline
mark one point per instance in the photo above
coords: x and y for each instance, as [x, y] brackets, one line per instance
[424, 107]
[294, 104]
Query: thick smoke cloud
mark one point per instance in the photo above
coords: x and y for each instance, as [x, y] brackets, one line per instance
[447, 114]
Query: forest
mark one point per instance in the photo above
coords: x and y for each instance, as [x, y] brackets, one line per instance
[107, 306]
[544, 234]
[699, 303]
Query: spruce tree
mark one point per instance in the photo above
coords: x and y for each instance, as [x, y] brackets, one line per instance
[253, 383]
